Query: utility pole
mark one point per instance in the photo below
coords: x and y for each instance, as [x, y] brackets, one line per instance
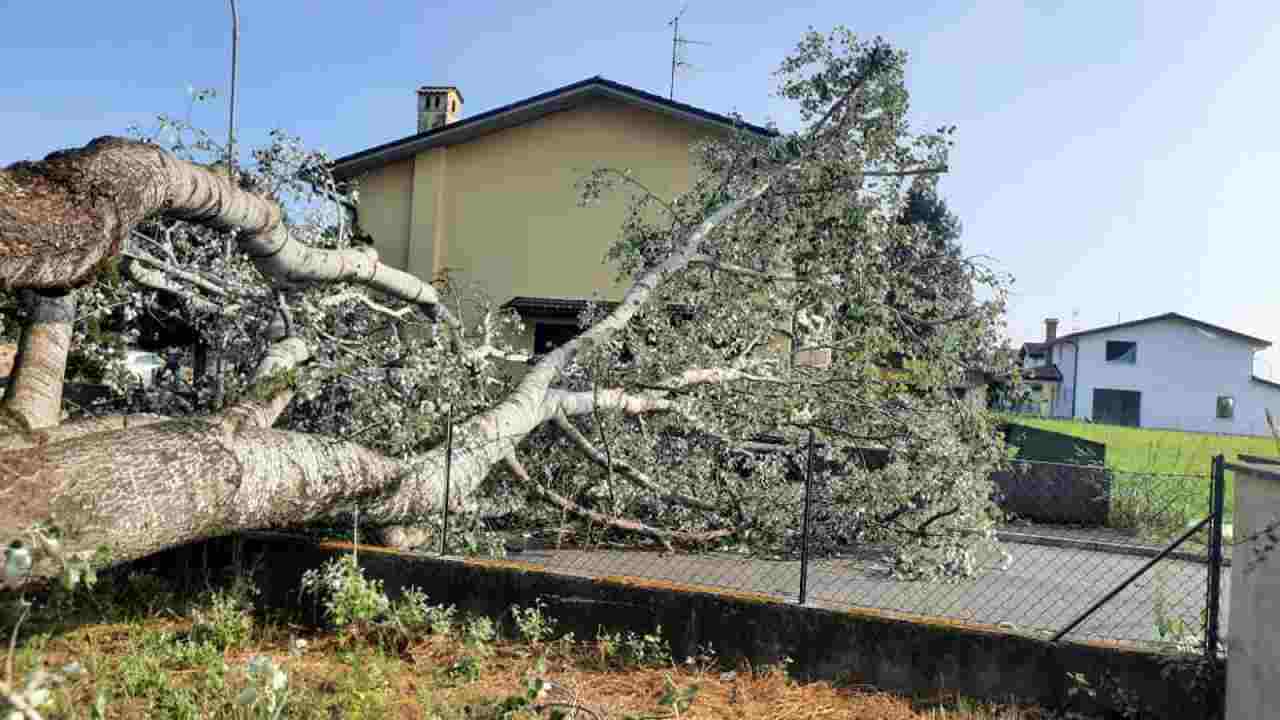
[677, 43]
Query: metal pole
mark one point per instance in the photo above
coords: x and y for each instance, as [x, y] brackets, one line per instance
[448, 466]
[675, 39]
[1213, 601]
[231, 122]
[804, 526]
[1129, 581]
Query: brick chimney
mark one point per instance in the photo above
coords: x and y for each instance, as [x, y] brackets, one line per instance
[438, 105]
[1050, 329]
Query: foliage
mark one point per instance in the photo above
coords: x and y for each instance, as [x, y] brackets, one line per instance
[831, 239]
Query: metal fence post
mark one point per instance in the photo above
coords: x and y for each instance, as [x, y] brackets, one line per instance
[1214, 599]
[448, 466]
[804, 525]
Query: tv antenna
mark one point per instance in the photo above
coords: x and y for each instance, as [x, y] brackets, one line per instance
[678, 44]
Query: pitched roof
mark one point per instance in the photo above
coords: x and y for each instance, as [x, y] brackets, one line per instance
[526, 110]
[1046, 373]
[1168, 316]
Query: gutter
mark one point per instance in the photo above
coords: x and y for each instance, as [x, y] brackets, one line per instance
[1075, 375]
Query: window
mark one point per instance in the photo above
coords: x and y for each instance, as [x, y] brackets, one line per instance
[453, 106]
[1226, 407]
[1122, 351]
[549, 336]
[437, 102]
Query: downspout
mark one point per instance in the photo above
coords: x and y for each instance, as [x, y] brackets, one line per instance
[1075, 375]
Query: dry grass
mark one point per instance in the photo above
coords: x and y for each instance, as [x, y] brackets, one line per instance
[341, 677]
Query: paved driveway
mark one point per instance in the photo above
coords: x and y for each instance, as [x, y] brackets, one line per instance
[1039, 591]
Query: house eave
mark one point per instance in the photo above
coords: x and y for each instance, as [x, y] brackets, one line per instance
[527, 110]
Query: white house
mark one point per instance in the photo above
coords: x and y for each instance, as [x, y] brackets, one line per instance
[1168, 371]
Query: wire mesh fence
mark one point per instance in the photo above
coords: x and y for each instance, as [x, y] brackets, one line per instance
[1085, 553]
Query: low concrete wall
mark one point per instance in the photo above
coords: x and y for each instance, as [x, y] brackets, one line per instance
[1053, 493]
[894, 652]
[1253, 636]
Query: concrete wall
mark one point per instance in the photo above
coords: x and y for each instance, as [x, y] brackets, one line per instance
[1253, 637]
[1053, 493]
[906, 654]
[1180, 371]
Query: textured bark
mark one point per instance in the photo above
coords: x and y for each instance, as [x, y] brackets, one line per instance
[34, 395]
[60, 218]
[87, 426]
[138, 490]
[141, 490]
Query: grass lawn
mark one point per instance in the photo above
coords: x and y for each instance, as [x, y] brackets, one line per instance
[1142, 450]
[1156, 467]
[149, 652]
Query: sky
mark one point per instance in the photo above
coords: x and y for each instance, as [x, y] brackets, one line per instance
[1115, 157]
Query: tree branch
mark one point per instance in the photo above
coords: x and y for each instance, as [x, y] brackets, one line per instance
[54, 235]
[635, 475]
[262, 412]
[156, 280]
[664, 536]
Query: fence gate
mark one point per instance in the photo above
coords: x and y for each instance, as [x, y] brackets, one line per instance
[1212, 645]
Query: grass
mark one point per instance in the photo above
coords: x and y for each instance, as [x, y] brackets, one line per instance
[1161, 476]
[154, 660]
[1142, 450]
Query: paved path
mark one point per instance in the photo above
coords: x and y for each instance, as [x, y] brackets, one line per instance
[1039, 591]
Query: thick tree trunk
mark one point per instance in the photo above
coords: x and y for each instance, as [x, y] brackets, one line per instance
[34, 394]
[142, 489]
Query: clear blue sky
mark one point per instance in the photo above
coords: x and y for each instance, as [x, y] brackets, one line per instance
[1116, 157]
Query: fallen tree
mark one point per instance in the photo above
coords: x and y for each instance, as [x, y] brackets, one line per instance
[340, 376]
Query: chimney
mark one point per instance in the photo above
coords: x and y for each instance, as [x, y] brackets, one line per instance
[438, 105]
[1050, 329]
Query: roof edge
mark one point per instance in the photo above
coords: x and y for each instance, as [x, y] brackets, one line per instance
[537, 105]
[1166, 316]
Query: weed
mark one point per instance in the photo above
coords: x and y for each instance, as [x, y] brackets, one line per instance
[628, 649]
[226, 620]
[347, 595]
[533, 624]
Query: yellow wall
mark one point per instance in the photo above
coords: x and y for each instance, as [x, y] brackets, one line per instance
[386, 195]
[500, 211]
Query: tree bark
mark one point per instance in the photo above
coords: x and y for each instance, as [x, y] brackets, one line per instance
[62, 217]
[143, 489]
[34, 394]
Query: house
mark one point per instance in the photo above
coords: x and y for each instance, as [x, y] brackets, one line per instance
[1166, 371]
[491, 199]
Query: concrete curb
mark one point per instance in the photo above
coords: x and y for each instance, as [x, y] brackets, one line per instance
[1100, 546]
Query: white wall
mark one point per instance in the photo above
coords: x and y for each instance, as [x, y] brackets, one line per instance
[1180, 371]
[1253, 632]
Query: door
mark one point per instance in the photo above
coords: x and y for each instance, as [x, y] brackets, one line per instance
[1117, 407]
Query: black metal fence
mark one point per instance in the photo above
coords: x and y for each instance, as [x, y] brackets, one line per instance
[1085, 553]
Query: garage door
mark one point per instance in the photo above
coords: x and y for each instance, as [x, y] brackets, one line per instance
[1117, 407]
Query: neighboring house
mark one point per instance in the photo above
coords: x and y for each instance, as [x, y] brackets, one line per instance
[1167, 371]
[492, 198]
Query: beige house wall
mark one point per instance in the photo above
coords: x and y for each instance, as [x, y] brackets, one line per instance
[501, 213]
[386, 199]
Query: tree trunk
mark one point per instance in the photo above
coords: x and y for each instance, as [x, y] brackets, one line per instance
[34, 394]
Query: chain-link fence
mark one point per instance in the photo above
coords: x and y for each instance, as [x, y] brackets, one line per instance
[1085, 553]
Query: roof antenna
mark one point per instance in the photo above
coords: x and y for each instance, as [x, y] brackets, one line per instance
[1075, 319]
[677, 47]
